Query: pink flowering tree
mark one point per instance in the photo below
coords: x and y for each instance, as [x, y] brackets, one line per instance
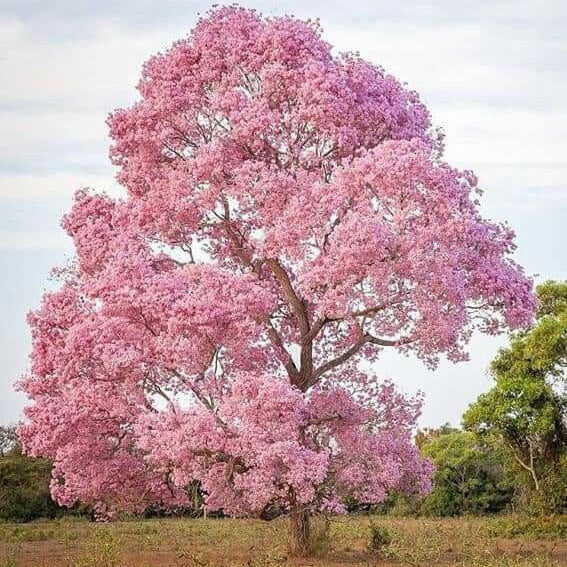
[287, 216]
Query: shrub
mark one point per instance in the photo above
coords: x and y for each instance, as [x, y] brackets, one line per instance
[469, 476]
[103, 550]
[380, 538]
[24, 489]
[320, 536]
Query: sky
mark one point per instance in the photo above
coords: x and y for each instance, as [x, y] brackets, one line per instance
[492, 72]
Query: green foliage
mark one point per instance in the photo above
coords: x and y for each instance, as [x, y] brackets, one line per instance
[542, 350]
[469, 477]
[24, 484]
[24, 489]
[527, 407]
[400, 505]
[551, 494]
[425, 436]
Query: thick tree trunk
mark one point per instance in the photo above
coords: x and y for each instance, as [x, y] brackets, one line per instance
[299, 532]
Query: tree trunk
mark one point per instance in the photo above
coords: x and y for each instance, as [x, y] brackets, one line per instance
[531, 467]
[299, 532]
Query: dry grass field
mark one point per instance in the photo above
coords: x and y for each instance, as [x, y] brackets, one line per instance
[476, 542]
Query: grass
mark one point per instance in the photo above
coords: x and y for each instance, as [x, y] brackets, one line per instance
[508, 541]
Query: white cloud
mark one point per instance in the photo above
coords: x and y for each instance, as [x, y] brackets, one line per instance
[34, 240]
[55, 186]
[492, 135]
[89, 72]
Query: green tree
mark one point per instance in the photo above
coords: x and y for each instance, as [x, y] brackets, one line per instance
[24, 482]
[469, 476]
[24, 489]
[526, 408]
[425, 436]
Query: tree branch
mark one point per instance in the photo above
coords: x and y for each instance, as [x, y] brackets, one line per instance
[365, 339]
[370, 310]
[276, 340]
[246, 258]
[299, 310]
[294, 301]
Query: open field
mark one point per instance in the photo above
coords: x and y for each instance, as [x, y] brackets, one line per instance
[477, 542]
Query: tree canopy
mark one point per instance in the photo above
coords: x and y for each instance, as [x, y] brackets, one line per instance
[287, 214]
[527, 406]
[469, 478]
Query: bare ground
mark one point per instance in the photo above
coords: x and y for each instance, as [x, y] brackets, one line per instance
[474, 542]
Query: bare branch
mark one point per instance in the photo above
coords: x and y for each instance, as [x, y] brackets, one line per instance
[315, 329]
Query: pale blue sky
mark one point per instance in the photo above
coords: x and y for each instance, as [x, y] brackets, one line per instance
[493, 74]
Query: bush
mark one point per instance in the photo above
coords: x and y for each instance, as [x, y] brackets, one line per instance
[399, 505]
[102, 550]
[551, 498]
[380, 538]
[469, 477]
[24, 489]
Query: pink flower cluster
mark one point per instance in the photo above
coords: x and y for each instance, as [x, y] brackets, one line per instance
[288, 214]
